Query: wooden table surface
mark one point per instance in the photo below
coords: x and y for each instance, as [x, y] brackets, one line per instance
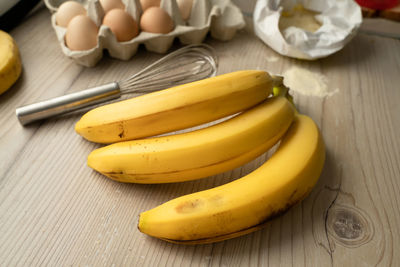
[56, 211]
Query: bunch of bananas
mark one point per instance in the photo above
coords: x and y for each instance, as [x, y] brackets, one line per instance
[259, 122]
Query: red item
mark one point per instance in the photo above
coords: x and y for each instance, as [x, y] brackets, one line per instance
[378, 4]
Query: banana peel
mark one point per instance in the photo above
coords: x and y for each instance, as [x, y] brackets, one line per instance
[10, 62]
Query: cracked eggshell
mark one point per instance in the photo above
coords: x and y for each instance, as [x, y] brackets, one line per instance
[219, 17]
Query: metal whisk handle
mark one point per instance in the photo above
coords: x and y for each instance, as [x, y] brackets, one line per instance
[67, 103]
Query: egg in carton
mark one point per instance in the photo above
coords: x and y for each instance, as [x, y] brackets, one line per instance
[219, 17]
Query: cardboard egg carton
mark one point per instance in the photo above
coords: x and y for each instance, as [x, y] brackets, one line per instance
[221, 17]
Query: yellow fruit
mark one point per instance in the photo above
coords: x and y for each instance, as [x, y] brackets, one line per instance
[176, 108]
[243, 205]
[10, 62]
[199, 153]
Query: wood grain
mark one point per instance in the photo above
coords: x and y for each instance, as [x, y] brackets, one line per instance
[56, 211]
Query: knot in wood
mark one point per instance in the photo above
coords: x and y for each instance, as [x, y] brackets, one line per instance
[347, 225]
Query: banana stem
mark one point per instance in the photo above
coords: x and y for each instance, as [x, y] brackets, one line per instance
[280, 89]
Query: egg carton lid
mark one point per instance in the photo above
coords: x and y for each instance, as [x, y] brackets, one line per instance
[219, 17]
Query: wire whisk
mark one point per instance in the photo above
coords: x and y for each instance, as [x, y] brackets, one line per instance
[187, 64]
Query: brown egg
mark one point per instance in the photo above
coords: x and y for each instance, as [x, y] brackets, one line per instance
[185, 7]
[81, 33]
[149, 3]
[67, 11]
[156, 20]
[121, 24]
[111, 4]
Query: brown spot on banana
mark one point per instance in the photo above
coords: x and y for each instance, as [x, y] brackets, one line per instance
[122, 131]
[189, 206]
[263, 223]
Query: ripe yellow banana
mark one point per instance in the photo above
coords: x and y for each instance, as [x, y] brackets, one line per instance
[176, 108]
[199, 153]
[243, 205]
[10, 62]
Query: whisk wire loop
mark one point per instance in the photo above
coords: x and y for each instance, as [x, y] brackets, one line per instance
[187, 64]
[191, 63]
